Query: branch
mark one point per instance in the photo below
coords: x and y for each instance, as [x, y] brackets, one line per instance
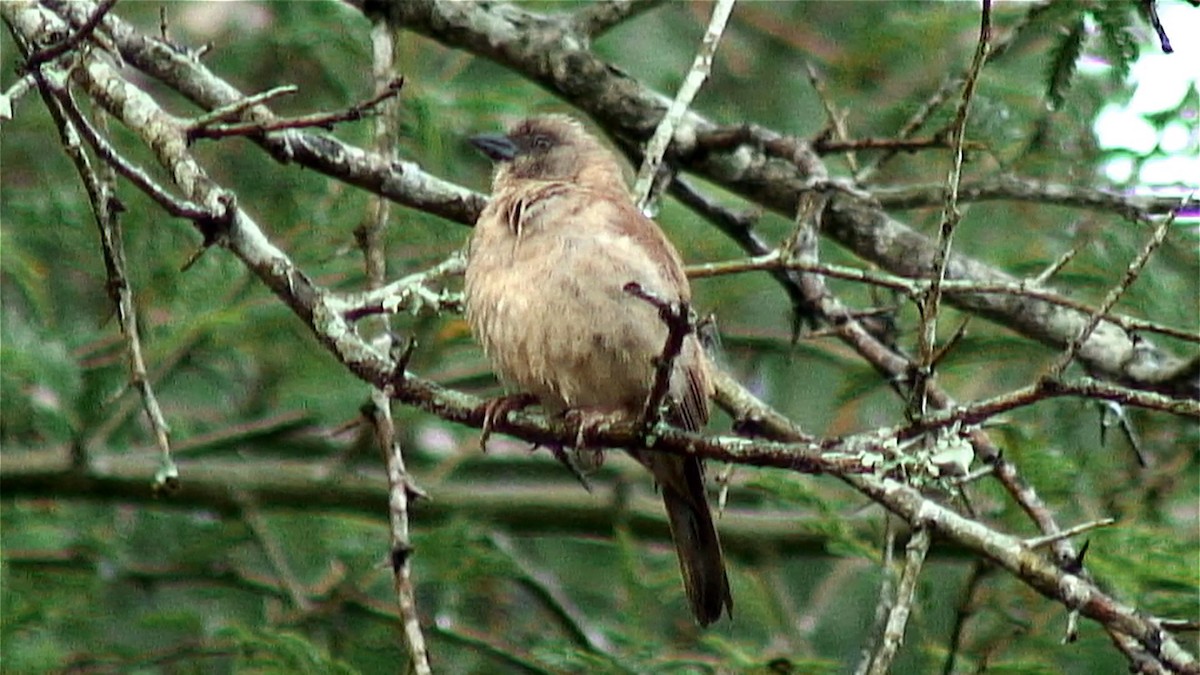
[600, 16]
[544, 54]
[106, 209]
[1073, 590]
[1134, 207]
[629, 110]
[773, 261]
[856, 459]
[553, 503]
[665, 131]
[929, 305]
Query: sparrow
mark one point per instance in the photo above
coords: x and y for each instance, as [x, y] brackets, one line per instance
[549, 271]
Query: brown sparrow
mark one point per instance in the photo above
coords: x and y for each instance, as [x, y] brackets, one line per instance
[546, 296]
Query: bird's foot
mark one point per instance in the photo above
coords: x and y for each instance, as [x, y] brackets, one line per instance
[578, 462]
[497, 408]
[581, 460]
[588, 420]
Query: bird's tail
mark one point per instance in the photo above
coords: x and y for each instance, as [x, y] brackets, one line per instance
[700, 558]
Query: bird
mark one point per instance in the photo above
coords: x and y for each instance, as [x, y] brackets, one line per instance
[550, 266]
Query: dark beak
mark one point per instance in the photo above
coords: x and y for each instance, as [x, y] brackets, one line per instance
[497, 147]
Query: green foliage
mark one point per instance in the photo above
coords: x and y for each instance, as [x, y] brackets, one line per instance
[116, 582]
[1118, 44]
[268, 651]
[39, 385]
[1061, 69]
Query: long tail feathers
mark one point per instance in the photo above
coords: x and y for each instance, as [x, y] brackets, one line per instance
[695, 536]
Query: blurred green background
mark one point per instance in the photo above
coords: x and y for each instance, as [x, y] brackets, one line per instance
[98, 576]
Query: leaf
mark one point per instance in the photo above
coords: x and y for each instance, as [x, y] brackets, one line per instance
[1062, 64]
[1117, 43]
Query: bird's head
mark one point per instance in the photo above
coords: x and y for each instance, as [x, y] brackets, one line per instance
[550, 148]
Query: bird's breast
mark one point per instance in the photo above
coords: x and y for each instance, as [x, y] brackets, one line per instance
[553, 317]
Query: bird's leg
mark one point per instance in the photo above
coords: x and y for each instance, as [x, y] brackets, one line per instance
[497, 408]
[582, 460]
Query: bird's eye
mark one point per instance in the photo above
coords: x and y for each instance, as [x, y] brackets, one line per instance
[541, 142]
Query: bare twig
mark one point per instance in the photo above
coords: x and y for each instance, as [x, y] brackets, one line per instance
[370, 237]
[897, 621]
[1136, 207]
[1036, 542]
[885, 598]
[547, 586]
[918, 119]
[930, 304]
[596, 18]
[275, 554]
[836, 120]
[1110, 300]
[238, 107]
[208, 127]
[824, 146]
[677, 318]
[106, 209]
[774, 262]
[63, 46]
[963, 612]
[696, 76]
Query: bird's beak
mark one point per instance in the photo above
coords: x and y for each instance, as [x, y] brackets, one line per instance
[497, 147]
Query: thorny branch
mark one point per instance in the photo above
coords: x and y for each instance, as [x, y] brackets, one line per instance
[855, 459]
[859, 225]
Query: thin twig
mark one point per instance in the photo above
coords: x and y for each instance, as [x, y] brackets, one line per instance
[1132, 272]
[774, 262]
[886, 595]
[1135, 207]
[370, 238]
[677, 318]
[106, 208]
[836, 119]
[237, 107]
[1037, 542]
[212, 129]
[930, 304]
[911, 126]
[964, 610]
[62, 47]
[825, 146]
[701, 67]
[547, 586]
[906, 590]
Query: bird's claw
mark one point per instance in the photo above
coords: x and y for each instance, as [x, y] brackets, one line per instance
[497, 408]
[567, 459]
